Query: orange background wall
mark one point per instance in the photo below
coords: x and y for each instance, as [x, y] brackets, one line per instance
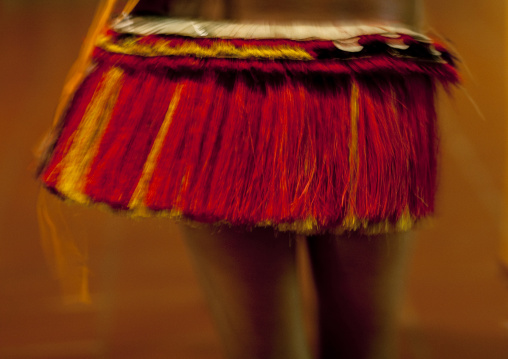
[146, 302]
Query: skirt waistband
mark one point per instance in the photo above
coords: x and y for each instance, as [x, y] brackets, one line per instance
[151, 25]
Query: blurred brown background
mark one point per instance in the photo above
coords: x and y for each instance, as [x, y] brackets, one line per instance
[146, 301]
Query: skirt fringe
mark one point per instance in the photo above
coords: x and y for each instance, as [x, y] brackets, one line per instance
[326, 144]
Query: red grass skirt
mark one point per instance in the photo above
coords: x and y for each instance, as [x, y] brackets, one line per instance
[298, 135]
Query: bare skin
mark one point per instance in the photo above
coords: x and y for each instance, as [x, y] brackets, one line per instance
[249, 277]
[403, 11]
[250, 281]
[358, 282]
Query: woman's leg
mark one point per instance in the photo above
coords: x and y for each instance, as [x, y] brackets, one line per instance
[358, 280]
[250, 281]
